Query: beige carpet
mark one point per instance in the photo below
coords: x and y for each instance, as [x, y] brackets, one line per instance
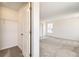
[11, 52]
[56, 47]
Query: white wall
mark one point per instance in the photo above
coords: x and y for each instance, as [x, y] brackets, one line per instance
[20, 28]
[8, 14]
[42, 29]
[21, 14]
[67, 28]
[24, 28]
[8, 25]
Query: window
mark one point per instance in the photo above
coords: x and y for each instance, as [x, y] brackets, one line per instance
[50, 28]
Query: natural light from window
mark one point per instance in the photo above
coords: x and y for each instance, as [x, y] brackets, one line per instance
[50, 28]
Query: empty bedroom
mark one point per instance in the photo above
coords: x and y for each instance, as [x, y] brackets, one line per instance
[59, 29]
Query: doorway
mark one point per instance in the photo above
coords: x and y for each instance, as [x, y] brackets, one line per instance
[15, 28]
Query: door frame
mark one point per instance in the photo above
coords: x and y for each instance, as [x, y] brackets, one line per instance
[34, 29]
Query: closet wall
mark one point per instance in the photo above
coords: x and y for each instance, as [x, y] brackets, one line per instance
[8, 28]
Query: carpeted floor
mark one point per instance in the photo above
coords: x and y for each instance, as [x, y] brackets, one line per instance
[11, 52]
[56, 47]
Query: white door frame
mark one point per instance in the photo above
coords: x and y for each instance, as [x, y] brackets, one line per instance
[35, 29]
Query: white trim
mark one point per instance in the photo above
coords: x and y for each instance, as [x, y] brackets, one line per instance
[35, 29]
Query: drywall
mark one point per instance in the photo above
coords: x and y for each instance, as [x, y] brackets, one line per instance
[67, 28]
[8, 25]
[42, 29]
[8, 14]
[24, 30]
[20, 28]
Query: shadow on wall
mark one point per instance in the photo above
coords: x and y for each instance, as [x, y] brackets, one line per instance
[0, 31]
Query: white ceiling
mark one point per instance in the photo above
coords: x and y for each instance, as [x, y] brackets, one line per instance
[54, 9]
[13, 5]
